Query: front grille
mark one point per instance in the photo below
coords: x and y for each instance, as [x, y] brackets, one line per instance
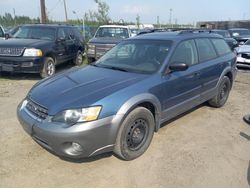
[37, 110]
[100, 50]
[11, 51]
[246, 56]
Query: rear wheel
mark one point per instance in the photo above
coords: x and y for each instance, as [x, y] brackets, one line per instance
[135, 134]
[222, 95]
[49, 68]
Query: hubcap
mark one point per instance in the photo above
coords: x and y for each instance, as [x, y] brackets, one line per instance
[137, 133]
[79, 58]
[50, 68]
[224, 91]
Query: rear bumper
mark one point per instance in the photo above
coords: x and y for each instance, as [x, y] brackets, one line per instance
[21, 64]
[94, 137]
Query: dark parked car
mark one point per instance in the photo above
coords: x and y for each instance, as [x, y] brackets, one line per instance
[119, 102]
[230, 41]
[240, 34]
[106, 37]
[39, 48]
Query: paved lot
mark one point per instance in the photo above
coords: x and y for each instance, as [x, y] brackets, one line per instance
[205, 148]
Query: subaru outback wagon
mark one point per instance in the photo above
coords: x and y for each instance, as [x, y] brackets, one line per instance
[119, 102]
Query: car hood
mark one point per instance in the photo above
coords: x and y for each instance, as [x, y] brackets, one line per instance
[23, 43]
[105, 40]
[80, 87]
[243, 49]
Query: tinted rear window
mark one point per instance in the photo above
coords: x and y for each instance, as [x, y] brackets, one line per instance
[205, 49]
[221, 46]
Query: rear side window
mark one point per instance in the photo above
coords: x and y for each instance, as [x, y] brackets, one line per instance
[221, 46]
[206, 50]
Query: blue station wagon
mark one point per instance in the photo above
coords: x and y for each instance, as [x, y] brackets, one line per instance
[119, 102]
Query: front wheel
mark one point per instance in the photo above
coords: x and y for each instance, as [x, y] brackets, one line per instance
[49, 68]
[222, 95]
[135, 134]
[79, 59]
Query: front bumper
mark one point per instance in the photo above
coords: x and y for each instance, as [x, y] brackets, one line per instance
[21, 64]
[94, 137]
[243, 62]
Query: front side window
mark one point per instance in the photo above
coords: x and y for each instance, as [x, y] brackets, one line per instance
[221, 46]
[205, 49]
[185, 53]
[112, 32]
[140, 56]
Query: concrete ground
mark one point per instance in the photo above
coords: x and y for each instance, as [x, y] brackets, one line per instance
[205, 148]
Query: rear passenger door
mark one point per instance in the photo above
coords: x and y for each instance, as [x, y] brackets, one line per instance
[71, 43]
[212, 66]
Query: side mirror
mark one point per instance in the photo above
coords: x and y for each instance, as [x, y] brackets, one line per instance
[178, 67]
[6, 36]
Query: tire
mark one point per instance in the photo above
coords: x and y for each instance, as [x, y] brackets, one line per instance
[79, 58]
[49, 68]
[222, 95]
[135, 134]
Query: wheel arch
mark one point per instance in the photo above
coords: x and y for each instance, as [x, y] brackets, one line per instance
[145, 100]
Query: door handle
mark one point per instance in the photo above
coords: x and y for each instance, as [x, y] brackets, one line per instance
[197, 74]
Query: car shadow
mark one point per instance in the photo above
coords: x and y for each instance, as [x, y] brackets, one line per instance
[183, 114]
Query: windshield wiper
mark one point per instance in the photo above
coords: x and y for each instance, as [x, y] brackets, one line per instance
[110, 67]
[117, 68]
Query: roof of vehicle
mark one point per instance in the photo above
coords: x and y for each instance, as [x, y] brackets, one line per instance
[116, 26]
[47, 25]
[180, 35]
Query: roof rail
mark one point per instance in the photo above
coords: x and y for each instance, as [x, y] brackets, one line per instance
[152, 31]
[194, 31]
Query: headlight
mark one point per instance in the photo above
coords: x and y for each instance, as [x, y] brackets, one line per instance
[74, 116]
[32, 52]
[238, 55]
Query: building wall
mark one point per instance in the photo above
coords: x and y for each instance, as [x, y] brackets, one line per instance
[224, 24]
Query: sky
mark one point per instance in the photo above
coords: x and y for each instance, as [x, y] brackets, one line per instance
[183, 11]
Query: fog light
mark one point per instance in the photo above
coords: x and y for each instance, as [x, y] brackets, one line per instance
[27, 64]
[76, 147]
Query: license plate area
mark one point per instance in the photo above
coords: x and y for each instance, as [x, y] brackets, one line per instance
[7, 68]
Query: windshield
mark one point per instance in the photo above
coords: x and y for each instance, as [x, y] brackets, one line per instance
[225, 34]
[43, 33]
[247, 42]
[140, 56]
[241, 32]
[112, 32]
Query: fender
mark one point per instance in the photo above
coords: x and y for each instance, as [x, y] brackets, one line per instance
[130, 104]
[224, 72]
